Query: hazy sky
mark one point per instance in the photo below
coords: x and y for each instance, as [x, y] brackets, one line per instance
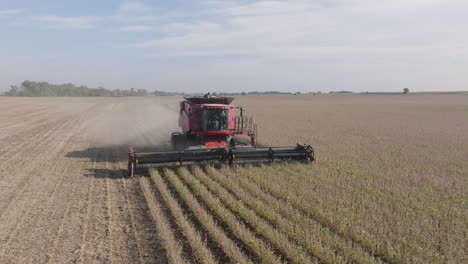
[210, 45]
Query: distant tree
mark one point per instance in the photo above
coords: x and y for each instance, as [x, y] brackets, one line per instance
[161, 93]
[30, 88]
[142, 92]
[13, 90]
[406, 90]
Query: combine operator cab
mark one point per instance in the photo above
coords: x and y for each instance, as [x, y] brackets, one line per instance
[215, 119]
[211, 131]
[211, 122]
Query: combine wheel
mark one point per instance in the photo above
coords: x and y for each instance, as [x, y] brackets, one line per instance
[131, 162]
[131, 168]
[232, 143]
[253, 141]
[179, 141]
[310, 157]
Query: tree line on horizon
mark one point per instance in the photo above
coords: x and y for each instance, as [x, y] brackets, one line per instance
[45, 89]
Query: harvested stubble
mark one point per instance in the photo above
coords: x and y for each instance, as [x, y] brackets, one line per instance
[62, 197]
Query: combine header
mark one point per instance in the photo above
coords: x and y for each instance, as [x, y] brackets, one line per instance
[210, 133]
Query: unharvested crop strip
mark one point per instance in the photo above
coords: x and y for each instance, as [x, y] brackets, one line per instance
[146, 231]
[303, 229]
[259, 248]
[199, 247]
[207, 221]
[186, 249]
[280, 240]
[193, 181]
[169, 241]
[296, 232]
[384, 199]
[313, 214]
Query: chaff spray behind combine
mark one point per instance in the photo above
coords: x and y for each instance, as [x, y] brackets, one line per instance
[210, 133]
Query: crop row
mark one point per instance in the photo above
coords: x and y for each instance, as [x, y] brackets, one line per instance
[227, 217]
[292, 213]
[391, 222]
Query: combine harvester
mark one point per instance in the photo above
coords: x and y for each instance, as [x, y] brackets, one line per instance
[211, 132]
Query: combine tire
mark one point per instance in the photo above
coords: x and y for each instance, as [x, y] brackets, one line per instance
[179, 141]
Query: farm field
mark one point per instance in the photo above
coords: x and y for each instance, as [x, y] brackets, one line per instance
[390, 184]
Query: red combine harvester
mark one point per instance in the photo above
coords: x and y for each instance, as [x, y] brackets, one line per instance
[211, 132]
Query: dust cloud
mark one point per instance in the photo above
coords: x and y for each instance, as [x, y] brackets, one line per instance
[144, 123]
